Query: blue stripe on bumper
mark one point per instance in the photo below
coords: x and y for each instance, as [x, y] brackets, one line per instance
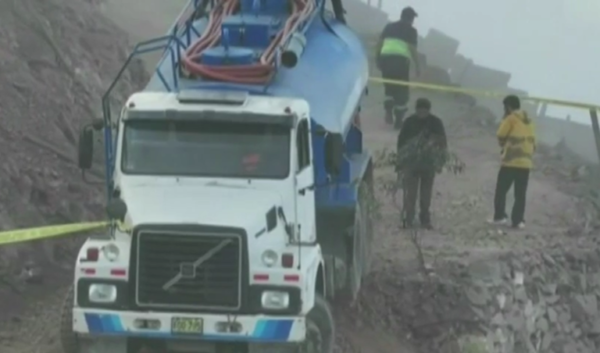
[264, 330]
[104, 323]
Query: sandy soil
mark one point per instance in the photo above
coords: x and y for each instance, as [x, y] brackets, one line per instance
[461, 205]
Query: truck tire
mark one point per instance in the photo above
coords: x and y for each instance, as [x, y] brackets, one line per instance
[320, 328]
[367, 199]
[356, 256]
[68, 338]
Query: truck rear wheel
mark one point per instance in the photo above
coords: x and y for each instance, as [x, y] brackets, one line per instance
[366, 197]
[320, 328]
[360, 250]
[68, 338]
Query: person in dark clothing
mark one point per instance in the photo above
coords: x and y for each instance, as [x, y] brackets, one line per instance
[422, 148]
[396, 50]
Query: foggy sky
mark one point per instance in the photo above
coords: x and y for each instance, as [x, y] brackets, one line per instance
[549, 46]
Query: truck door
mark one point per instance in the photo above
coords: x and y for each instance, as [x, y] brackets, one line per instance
[305, 204]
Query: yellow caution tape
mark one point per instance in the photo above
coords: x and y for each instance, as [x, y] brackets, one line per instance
[494, 94]
[24, 235]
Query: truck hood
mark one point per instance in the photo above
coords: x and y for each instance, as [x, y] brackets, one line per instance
[198, 204]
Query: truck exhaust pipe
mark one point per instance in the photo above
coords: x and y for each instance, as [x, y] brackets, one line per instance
[293, 50]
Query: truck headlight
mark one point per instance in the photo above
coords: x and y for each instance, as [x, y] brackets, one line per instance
[111, 252]
[269, 258]
[275, 300]
[102, 293]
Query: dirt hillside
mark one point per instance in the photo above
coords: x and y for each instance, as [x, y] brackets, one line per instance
[56, 58]
[464, 287]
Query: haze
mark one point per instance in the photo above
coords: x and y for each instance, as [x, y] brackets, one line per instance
[550, 46]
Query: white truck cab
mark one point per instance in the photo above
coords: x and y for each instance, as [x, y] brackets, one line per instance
[215, 246]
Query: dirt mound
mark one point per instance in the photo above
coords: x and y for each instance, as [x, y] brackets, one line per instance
[56, 58]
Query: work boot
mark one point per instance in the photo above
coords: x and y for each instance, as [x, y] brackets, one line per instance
[389, 118]
[425, 222]
[427, 225]
[407, 222]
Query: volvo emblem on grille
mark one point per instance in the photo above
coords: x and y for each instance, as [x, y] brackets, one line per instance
[187, 270]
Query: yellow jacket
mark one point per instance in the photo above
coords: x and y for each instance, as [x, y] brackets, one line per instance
[516, 136]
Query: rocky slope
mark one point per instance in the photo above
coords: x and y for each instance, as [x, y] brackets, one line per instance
[56, 58]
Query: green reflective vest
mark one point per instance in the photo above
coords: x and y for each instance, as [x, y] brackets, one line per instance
[394, 46]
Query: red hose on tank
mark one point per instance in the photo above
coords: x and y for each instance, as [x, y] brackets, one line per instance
[258, 73]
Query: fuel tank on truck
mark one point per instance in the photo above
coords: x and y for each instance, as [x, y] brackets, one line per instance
[328, 66]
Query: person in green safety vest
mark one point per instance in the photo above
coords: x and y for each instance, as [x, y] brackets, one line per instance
[396, 50]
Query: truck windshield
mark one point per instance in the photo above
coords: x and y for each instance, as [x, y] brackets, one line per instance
[206, 149]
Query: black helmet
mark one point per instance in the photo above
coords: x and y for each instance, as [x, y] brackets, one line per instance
[512, 102]
[423, 103]
[408, 13]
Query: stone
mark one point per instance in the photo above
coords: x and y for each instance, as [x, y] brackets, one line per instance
[501, 299]
[498, 320]
[478, 296]
[520, 294]
[516, 320]
[549, 259]
[595, 327]
[550, 288]
[542, 325]
[528, 308]
[546, 341]
[583, 306]
[553, 299]
[564, 316]
[519, 279]
[552, 315]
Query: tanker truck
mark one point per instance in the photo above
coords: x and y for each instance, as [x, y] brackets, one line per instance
[238, 188]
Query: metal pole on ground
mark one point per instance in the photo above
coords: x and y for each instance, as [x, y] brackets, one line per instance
[596, 129]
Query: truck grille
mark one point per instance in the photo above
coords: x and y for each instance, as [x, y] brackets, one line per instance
[188, 270]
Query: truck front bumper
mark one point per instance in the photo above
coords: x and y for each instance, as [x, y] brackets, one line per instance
[257, 329]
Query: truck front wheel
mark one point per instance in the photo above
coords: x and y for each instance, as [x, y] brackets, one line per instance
[320, 328]
[68, 338]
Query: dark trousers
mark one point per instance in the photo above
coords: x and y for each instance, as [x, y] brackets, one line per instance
[507, 176]
[418, 182]
[394, 67]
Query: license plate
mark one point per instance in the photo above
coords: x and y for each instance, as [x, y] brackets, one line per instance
[187, 325]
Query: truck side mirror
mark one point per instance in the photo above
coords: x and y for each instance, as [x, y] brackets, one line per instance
[86, 143]
[334, 153]
[116, 209]
[86, 147]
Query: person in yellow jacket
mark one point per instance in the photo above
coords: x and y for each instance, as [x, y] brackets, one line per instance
[516, 136]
